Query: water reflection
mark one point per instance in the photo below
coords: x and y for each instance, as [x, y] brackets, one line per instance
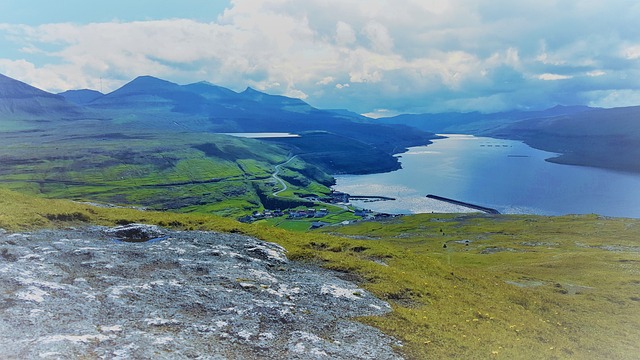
[502, 174]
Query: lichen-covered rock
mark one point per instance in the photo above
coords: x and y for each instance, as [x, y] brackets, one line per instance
[135, 232]
[80, 293]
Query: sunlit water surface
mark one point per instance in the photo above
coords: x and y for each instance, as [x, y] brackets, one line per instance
[506, 175]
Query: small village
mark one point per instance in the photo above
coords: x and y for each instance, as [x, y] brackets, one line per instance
[306, 213]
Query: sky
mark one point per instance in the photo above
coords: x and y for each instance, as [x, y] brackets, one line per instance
[374, 57]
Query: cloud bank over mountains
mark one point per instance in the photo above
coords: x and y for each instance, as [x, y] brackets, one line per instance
[376, 57]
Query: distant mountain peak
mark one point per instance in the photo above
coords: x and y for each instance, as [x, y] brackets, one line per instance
[250, 90]
[148, 80]
[148, 77]
[82, 96]
[10, 87]
[205, 82]
[143, 85]
[211, 91]
[20, 99]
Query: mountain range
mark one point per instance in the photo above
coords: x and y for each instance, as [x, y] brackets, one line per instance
[608, 138]
[161, 145]
[549, 286]
[156, 105]
[580, 135]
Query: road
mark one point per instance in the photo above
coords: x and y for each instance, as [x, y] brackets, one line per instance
[275, 175]
[284, 185]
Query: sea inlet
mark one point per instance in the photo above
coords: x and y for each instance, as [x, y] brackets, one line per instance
[505, 175]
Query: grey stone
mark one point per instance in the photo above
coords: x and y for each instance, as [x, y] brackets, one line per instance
[205, 295]
[135, 232]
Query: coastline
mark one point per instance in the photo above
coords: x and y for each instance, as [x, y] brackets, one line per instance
[594, 152]
[460, 168]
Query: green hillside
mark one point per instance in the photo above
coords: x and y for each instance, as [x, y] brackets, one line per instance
[510, 287]
[157, 144]
[160, 170]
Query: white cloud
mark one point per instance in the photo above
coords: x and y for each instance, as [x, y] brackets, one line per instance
[47, 77]
[546, 59]
[294, 93]
[344, 34]
[632, 52]
[326, 81]
[553, 77]
[398, 55]
[614, 98]
[596, 73]
[380, 113]
[379, 37]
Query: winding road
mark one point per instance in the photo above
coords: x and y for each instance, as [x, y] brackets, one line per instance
[284, 185]
[275, 175]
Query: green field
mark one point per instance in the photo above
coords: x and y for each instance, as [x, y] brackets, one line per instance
[187, 173]
[510, 287]
[335, 217]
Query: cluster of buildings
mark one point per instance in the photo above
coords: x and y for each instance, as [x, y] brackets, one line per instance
[291, 214]
[308, 213]
[338, 197]
[311, 213]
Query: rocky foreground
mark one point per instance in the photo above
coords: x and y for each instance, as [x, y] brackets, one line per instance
[138, 292]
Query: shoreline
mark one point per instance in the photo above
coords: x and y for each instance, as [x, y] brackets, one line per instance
[429, 176]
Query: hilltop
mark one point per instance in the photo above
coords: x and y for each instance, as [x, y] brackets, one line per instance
[463, 286]
[20, 101]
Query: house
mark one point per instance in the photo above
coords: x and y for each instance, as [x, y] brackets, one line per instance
[361, 212]
[247, 219]
[318, 224]
[297, 214]
[322, 213]
[339, 197]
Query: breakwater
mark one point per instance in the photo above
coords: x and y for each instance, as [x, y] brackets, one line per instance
[465, 204]
[365, 197]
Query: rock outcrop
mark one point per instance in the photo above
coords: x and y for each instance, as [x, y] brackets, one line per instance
[84, 293]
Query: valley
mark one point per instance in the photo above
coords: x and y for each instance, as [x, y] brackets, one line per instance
[155, 153]
[159, 145]
[211, 173]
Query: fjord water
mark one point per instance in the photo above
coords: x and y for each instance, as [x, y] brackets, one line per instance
[506, 175]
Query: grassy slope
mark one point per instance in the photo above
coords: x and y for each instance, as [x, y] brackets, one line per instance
[558, 287]
[579, 276]
[162, 170]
